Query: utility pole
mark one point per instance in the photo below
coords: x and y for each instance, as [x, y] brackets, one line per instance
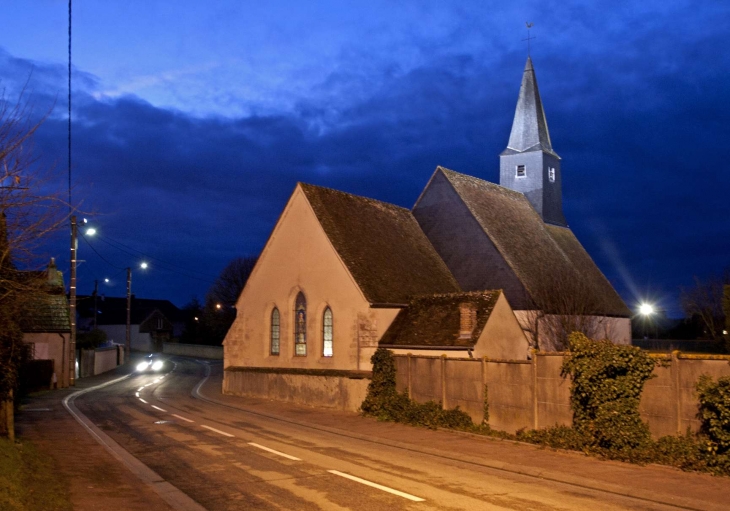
[128, 343]
[72, 303]
[96, 292]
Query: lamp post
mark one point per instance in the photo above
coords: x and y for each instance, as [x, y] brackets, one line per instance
[72, 303]
[128, 339]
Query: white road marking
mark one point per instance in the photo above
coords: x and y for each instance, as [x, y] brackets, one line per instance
[288, 456]
[216, 430]
[182, 418]
[156, 381]
[378, 486]
[140, 389]
[145, 402]
[136, 394]
[158, 408]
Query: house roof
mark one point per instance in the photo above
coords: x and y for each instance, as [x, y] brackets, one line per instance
[538, 253]
[113, 310]
[434, 320]
[46, 313]
[47, 309]
[529, 127]
[381, 245]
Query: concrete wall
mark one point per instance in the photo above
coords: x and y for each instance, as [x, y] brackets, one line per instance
[299, 257]
[105, 359]
[52, 346]
[344, 392]
[533, 394]
[193, 350]
[118, 335]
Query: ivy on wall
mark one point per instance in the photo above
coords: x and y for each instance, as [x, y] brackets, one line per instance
[384, 402]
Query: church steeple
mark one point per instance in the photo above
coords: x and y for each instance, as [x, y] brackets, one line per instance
[529, 164]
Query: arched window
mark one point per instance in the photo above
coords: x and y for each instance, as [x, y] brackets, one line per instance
[275, 331]
[327, 332]
[300, 326]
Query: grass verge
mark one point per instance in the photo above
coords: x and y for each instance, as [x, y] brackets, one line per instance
[29, 480]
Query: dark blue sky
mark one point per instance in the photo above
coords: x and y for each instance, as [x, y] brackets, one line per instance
[192, 122]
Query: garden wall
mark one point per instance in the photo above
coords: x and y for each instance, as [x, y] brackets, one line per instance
[533, 394]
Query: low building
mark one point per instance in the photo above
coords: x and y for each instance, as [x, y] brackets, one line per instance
[152, 322]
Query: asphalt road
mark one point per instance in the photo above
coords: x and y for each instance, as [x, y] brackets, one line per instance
[228, 458]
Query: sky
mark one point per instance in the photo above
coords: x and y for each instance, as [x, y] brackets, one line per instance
[192, 122]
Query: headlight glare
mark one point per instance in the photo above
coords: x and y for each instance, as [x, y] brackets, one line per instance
[157, 365]
[142, 366]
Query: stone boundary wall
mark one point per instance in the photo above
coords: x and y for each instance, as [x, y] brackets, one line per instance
[193, 350]
[533, 394]
[342, 390]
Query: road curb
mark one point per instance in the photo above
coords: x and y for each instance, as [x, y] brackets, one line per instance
[169, 493]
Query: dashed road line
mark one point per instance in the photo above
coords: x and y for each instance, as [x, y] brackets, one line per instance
[376, 485]
[158, 408]
[181, 417]
[279, 453]
[217, 430]
[136, 394]
[145, 402]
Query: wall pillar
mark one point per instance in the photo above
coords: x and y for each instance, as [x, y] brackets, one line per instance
[677, 383]
[444, 406]
[410, 370]
[535, 419]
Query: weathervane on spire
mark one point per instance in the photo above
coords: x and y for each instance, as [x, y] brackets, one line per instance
[528, 39]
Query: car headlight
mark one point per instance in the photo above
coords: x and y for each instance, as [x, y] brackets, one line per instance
[157, 365]
[142, 366]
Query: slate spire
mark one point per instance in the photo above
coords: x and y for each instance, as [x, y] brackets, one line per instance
[529, 165]
[529, 127]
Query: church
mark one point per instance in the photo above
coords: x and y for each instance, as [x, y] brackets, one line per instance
[474, 269]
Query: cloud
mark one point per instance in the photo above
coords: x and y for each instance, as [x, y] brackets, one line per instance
[637, 115]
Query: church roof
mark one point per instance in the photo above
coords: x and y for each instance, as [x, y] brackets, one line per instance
[529, 127]
[382, 246]
[435, 320]
[538, 253]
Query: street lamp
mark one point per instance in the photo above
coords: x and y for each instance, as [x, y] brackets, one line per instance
[128, 338]
[646, 310]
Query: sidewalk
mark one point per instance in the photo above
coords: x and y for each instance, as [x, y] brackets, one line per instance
[652, 482]
[97, 480]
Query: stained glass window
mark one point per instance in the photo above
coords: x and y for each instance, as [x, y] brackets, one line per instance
[275, 331]
[300, 326]
[327, 332]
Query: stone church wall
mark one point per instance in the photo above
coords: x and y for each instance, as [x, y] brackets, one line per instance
[460, 241]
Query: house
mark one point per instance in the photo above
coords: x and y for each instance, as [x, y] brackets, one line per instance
[468, 272]
[152, 322]
[45, 325]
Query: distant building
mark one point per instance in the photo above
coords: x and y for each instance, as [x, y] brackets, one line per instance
[469, 271]
[45, 323]
[152, 321]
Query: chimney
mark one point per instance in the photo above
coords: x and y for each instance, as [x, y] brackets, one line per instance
[467, 320]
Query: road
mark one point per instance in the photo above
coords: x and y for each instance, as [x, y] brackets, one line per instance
[232, 458]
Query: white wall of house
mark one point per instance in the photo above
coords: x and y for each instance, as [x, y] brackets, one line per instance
[118, 334]
[617, 330]
[299, 257]
[52, 346]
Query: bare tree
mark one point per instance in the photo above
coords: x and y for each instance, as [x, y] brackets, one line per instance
[704, 301]
[220, 302]
[563, 303]
[28, 214]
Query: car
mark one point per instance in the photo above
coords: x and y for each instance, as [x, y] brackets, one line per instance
[151, 363]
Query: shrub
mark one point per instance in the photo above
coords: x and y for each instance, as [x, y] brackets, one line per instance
[386, 403]
[714, 398]
[91, 340]
[607, 381]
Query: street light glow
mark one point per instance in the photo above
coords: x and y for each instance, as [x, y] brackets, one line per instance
[144, 266]
[106, 281]
[90, 231]
[646, 309]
